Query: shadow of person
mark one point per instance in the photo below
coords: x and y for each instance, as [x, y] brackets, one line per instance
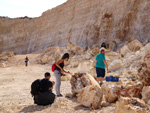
[33, 108]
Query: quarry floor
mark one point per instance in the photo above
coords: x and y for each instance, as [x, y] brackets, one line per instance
[15, 94]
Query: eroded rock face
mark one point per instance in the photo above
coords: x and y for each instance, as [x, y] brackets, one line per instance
[82, 22]
[80, 80]
[146, 94]
[90, 96]
[144, 71]
[130, 105]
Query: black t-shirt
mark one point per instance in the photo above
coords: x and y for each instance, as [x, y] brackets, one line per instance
[61, 65]
[45, 85]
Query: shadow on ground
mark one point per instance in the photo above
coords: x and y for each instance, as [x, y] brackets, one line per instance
[33, 108]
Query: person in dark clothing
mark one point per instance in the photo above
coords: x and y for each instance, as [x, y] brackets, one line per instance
[103, 45]
[26, 61]
[59, 71]
[45, 95]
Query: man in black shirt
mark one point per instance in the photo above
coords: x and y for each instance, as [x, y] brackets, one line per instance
[45, 96]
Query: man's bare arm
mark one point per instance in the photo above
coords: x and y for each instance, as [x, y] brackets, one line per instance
[106, 64]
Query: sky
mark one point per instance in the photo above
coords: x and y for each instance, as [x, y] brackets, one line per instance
[30, 8]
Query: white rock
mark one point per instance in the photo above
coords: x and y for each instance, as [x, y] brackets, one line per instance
[116, 64]
[90, 96]
[135, 45]
[81, 80]
[130, 105]
[124, 50]
[110, 91]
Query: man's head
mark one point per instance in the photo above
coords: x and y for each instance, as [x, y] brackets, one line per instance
[47, 75]
[103, 51]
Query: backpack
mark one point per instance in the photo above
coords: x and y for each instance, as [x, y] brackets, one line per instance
[53, 67]
[35, 87]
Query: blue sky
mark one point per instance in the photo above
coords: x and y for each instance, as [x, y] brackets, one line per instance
[30, 8]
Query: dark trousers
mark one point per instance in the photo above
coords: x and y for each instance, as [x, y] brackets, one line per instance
[26, 63]
[46, 98]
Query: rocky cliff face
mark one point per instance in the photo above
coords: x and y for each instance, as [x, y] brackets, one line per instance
[84, 22]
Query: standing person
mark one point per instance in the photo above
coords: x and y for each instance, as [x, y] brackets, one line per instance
[59, 71]
[26, 61]
[100, 66]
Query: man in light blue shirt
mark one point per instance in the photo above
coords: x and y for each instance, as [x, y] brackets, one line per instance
[100, 66]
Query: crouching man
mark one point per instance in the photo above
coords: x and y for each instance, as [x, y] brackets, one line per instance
[41, 90]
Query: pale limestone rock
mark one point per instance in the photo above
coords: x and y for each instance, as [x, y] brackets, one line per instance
[81, 80]
[93, 72]
[130, 105]
[124, 50]
[87, 56]
[74, 49]
[51, 55]
[74, 63]
[111, 56]
[90, 96]
[146, 94]
[135, 45]
[84, 67]
[94, 51]
[116, 64]
[110, 91]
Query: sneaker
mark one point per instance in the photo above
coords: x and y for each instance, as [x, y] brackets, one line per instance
[60, 95]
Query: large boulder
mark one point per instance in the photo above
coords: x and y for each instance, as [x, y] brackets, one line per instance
[80, 80]
[51, 55]
[84, 67]
[116, 64]
[124, 50]
[144, 71]
[146, 94]
[113, 90]
[111, 56]
[74, 49]
[110, 91]
[135, 45]
[90, 96]
[130, 105]
[93, 72]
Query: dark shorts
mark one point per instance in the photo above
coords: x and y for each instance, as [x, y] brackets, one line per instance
[100, 72]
